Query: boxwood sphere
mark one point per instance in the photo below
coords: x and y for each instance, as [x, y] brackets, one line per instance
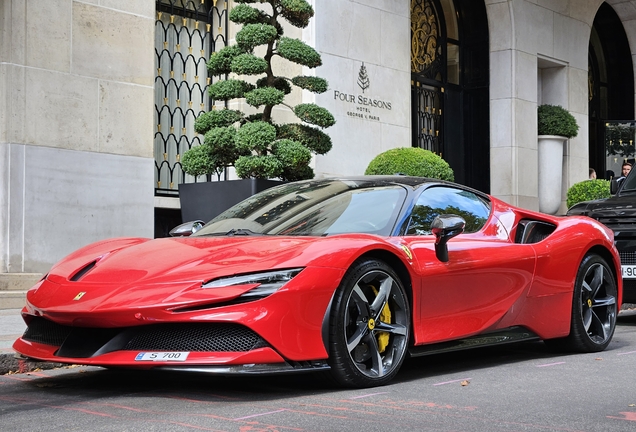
[412, 161]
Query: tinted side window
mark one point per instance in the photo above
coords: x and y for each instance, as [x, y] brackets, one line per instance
[445, 200]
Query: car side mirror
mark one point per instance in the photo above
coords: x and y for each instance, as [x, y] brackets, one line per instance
[445, 227]
[187, 229]
[614, 184]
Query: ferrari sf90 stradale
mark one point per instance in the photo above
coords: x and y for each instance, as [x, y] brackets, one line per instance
[346, 275]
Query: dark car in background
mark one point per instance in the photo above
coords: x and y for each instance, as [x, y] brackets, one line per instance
[619, 214]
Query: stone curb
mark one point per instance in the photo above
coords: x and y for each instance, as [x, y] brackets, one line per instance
[9, 364]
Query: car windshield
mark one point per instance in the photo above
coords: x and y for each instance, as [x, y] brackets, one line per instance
[313, 208]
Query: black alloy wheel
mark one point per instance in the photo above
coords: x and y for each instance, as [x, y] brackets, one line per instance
[369, 325]
[594, 307]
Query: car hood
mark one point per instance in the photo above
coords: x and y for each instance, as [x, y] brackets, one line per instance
[137, 273]
[180, 260]
[616, 206]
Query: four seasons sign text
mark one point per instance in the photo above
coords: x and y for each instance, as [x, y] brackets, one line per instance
[363, 107]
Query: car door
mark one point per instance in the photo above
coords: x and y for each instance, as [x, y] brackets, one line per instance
[486, 274]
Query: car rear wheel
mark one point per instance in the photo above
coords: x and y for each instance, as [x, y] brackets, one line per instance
[369, 325]
[594, 307]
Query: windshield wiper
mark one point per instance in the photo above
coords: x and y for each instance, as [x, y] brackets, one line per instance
[243, 232]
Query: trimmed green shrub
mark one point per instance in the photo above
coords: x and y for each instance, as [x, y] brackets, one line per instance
[256, 136]
[588, 190]
[216, 118]
[268, 96]
[244, 14]
[312, 113]
[556, 120]
[412, 161]
[299, 52]
[229, 89]
[252, 143]
[248, 64]
[253, 35]
[314, 139]
[297, 12]
[258, 167]
[313, 84]
[220, 62]
[197, 161]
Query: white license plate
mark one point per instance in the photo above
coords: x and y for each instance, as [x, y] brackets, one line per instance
[628, 271]
[177, 356]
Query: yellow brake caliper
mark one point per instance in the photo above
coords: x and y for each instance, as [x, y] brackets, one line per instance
[385, 317]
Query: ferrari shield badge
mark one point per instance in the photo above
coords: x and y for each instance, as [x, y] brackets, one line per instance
[407, 251]
[79, 296]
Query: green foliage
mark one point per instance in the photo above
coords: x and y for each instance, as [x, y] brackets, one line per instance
[313, 84]
[253, 35]
[291, 154]
[257, 136]
[314, 139]
[252, 143]
[588, 190]
[412, 161]
[248, 64]
[197, 161]
[216, 118]
[264, 96]
[278, 83]
[556, 120]
[297, 12]
[312, 113]
[299, 52]
[229, 89]
[220, 63]
[258, 167]
[223, 148]
[244, 14]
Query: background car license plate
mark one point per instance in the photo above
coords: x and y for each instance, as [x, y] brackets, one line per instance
[628, 271]
[162, 356]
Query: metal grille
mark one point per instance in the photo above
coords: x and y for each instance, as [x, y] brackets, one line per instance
[196, 337]
[46, 332]
[628, 258]
[426, 40]
[186, 33]
[427, 117]
[618, 221]
[160, 337]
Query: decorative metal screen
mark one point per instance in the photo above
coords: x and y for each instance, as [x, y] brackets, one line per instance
[426, 40]
[427, 68]
[186, 33]
[427, 117]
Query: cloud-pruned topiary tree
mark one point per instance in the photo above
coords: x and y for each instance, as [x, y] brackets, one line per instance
[255, 145]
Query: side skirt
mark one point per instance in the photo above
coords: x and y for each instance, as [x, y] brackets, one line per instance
[499, 337]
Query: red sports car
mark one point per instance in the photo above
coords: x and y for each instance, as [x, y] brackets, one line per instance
[348, 275]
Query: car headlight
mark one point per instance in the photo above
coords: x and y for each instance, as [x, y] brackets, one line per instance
[268, 282]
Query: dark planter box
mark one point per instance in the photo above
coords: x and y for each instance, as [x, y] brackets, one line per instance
[204, 201]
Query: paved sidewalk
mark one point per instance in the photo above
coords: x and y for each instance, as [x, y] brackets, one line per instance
[11, 327]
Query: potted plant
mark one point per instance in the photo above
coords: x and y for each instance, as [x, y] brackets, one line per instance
[412, 161]
[258, 148]
[555, 126]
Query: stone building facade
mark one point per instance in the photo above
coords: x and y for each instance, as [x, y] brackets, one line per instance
[80, 103]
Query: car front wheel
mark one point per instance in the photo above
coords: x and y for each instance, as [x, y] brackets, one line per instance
[369, 325]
